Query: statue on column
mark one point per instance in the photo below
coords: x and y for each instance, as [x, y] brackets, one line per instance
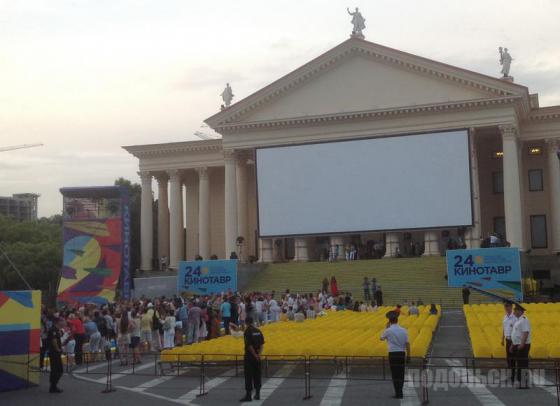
[358, 22]
[505, 61]
[227, 96]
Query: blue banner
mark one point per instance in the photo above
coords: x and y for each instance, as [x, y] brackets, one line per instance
[495, 269]
[207, 277]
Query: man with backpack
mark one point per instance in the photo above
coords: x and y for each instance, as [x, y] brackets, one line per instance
[103, 329]
[157, 327]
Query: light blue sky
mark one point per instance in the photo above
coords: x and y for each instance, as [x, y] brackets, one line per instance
[87, 76]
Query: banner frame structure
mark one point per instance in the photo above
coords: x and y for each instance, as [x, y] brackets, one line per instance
[491, 269]
[207, 277]
[96, 245]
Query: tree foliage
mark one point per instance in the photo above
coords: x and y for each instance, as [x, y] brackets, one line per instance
[35, 248]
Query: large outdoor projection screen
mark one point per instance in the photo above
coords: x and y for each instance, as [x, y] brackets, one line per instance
[400, 182]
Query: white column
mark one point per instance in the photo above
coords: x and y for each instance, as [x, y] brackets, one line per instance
[146, 222]
[242, 225]
[301, 253]
[230, 202]
[512, 187]
[203, 213]
[391, 244]
[175, 219]
[472, 236]
[431, 243]
[265, 250]
[553, 148]
[163, 218]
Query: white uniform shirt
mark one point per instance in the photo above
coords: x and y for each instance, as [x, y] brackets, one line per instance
[522, 325]
[397, 337]
[507, 324]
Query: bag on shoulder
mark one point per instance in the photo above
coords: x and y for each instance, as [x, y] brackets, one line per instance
[156, 322]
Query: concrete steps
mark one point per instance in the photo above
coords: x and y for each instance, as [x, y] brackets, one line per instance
[400, 278]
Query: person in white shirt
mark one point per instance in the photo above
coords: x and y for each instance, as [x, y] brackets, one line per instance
[507, 327]
[413, 310]
[259, 306]
[399, 351]
[520, 347]
[275, 310]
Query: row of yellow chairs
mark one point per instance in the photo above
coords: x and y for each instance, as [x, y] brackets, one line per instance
[337, 334]
[484, 323]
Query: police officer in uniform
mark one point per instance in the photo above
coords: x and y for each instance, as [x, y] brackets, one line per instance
[520, 347]
[507, 327]
[55, 352]
[399, 351]
[254, 341]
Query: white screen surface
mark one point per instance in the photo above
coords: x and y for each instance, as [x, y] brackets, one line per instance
[393, 183]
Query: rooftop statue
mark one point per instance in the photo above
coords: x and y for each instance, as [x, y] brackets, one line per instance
[505, 61]
[227, 95]
[358, 21]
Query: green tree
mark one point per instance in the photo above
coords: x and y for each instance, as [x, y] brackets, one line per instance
[35, 248]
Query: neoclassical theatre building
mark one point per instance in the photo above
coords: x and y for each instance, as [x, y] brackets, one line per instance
[209, 191]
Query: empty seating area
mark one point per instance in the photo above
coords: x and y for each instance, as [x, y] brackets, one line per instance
[334, 335]
[484, 322]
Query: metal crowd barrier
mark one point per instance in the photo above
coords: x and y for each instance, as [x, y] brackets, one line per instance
[426, 372]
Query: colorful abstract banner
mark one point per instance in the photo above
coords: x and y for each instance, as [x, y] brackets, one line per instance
[207, 277]
[494, 269]
[96, 233]
[20, 335]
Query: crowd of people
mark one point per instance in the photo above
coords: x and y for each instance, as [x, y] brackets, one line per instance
[146, 325]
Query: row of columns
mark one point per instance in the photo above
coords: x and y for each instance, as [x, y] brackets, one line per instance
[170, 212]
[170, 217]
[553, 156]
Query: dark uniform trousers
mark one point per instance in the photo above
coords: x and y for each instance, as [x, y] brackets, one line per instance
[252, 370]
[509, 358]
[397, 363]
[79, 348]
[520, 364]
[56, 368]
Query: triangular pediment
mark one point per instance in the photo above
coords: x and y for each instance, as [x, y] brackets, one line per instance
[359, 76]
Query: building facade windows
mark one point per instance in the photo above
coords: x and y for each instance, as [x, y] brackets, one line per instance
[500, 225]
[538, 231]
[535, 180]
[498, 182]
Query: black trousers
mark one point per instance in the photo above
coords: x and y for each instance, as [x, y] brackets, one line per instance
[79, 351]
[252, 370]
[42, 353]
[520, 364]
[509, 359]
[56, 368]
[226, 321]
[397, 363]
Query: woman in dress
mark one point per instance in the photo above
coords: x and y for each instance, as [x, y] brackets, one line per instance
[135, 336]
[123, 336]
[334, 287]
[169, 331]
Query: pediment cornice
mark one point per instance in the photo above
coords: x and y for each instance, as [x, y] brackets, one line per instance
[187, 147]
[492, 87]
[370, 114]
[545, 113]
